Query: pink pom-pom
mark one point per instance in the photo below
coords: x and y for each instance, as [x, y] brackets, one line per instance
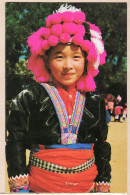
[56, 29]
[32, 39]
[39, 32]
[67, 16]
[86, 45]
[56, 18]
[92, 54]
[46, 33]
[36, 49]
[77, 39]
[103, 58]
[89, 83]
[45, 45]
[80, 29]
[94, 27]
[79, 17]
[69, 28]
[53, 40]
[48, 21]
[64, 38]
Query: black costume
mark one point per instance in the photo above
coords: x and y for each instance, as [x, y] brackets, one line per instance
[33, 121]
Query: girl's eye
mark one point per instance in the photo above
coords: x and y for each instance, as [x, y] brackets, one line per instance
[59, 57]
[76, 56]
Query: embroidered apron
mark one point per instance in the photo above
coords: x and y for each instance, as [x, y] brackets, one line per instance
[68, 131]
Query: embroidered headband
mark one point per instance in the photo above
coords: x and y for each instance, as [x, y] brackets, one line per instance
[67, 25]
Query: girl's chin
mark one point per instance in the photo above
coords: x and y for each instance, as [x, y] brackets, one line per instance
[67, 83]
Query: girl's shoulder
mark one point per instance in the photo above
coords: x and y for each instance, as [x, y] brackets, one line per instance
[32, 92]
[93, 96]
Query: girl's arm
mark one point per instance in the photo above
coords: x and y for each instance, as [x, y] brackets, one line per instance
[17, 139]
[102, 150]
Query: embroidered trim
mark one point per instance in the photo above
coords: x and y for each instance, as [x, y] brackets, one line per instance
[68, 131]
[19, 182]
[59, 169]
[102, 187]
[77, 113]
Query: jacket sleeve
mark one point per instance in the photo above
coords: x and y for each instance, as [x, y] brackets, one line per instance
[17, 132]
[102, 150]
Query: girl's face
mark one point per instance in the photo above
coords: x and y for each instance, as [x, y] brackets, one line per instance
[66, 63]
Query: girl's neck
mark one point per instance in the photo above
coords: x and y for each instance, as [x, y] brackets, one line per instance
[65, 87]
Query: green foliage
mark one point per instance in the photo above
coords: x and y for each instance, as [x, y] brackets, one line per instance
[23, 18]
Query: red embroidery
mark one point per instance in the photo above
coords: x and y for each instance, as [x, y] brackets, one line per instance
[18, 181]
[102, 187]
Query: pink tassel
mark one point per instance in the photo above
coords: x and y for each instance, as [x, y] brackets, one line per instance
[42, 78]
[93, 27]
[89, 83]
[38, 68]
[92, 54]
[80, 84]
[93, 72]
[36, 64]
[86, 83]
[31, 62]
[103, 58]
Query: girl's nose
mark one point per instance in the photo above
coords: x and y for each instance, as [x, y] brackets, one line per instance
[68, 63]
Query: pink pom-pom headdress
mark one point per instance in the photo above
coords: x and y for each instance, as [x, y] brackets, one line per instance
[67, 25]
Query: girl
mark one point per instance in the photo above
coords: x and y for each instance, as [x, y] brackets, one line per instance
[59, 119]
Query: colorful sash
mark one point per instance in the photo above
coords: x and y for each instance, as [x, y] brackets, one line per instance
[68, 131]
[62, 170]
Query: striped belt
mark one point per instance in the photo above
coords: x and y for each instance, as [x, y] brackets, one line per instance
[59, 169]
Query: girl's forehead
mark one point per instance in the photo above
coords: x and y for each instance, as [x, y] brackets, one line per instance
[66, 47]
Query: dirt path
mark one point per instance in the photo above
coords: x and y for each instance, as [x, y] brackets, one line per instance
[117, 137]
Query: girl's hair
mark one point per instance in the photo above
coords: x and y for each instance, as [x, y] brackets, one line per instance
[67, 25]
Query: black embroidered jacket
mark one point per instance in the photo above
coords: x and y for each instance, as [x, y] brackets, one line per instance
[33, 120]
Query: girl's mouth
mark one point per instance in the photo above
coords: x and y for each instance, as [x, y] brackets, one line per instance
[67, 74]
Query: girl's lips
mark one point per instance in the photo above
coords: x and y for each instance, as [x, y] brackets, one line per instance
[67, 74]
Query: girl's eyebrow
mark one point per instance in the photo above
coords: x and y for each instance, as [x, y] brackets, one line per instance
[58, 52]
